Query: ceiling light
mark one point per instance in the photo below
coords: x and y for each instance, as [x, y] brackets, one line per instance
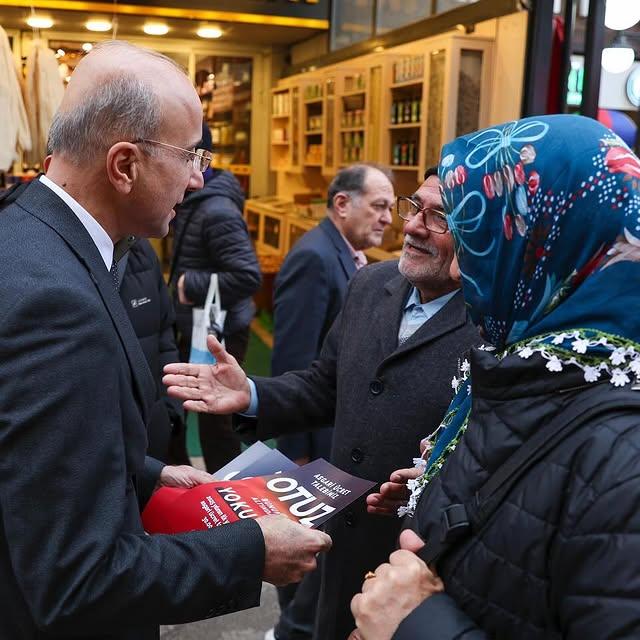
[621, 14]
[155, 29]
[209, 32]
[619, 57]
[87, 46]
[98, 24]
[39, 22]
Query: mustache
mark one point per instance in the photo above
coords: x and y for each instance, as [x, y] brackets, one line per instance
[420, 244]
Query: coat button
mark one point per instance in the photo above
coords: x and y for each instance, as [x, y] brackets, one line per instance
[357, 456]
[350, 519]
[376, 387]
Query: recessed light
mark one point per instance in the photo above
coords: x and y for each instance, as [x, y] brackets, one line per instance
[39, 22]
[209, 32]
[87, 46]
[155, 29]
[98, 24]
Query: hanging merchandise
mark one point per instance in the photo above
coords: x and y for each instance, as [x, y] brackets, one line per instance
[14, 133]
[44, 94]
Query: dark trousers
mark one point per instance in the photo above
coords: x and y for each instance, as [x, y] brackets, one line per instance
[219, 442]
[298, 605]
[299, 602]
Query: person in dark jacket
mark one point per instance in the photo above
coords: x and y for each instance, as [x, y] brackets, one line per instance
[545, 213]
[210, 236]
[146, 299]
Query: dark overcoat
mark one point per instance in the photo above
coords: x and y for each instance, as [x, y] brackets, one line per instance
[76, 392]
[382, 399]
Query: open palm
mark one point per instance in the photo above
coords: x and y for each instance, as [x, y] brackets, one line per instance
[221, 388]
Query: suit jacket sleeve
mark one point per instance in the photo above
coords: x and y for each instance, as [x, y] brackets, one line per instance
[297, 400]
[301, 301]
[438, 618]
[76, 546]
[231, 255]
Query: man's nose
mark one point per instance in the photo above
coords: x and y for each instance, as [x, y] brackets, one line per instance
[415, 226]
[387, 217]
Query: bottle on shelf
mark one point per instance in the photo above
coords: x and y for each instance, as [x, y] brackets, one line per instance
[394, 112]
[407, 111]
[415, 110]
[404, 148]
[411, 153]
[396, 154]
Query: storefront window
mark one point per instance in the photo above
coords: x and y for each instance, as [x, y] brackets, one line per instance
[392, 14]
[224, 86]
[351, 22]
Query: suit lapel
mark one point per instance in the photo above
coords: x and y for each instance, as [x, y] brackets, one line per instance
[388, 314]
[344, 255]
[45, 205]
[451, 317]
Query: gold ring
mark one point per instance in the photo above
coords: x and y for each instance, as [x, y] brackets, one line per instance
[369, 575]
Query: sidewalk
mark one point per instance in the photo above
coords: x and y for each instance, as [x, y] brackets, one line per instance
[244, 625]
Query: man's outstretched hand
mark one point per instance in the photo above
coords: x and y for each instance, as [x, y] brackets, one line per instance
[221, 388]
[290, 549]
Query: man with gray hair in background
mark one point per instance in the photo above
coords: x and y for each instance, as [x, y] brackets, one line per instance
[76, 390]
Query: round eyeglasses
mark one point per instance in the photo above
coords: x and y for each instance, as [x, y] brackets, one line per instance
[434, 220]
[201, 158]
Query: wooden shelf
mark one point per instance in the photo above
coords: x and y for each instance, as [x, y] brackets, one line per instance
[404, 167]
[406, 125]
[407, 83]
[284, 142]
[312, 164]
[313, 132]
[351, 129]
[281, 115]
[349, 94]
[313, 100]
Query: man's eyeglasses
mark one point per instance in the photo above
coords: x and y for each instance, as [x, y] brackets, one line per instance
[200, 158]
[434, 219]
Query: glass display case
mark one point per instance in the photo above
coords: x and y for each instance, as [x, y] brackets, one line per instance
[224, 86]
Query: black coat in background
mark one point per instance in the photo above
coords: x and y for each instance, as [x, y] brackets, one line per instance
[215, 240]
[559, 557]
[76, 393]
[146, 299]
[309, 293]
[382, 399]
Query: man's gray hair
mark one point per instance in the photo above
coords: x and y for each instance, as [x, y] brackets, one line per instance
[122, 107]
[351, 180]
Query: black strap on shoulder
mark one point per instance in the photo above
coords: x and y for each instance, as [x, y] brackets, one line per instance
[461, 520]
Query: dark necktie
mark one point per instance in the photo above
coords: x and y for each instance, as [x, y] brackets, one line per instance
[114, 275]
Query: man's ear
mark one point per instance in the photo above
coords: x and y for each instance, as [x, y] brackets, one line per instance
[123, 163]
[341, 203]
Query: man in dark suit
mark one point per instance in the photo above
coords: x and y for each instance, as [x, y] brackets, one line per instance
[76, 390]
[309, 292]
[383, 377]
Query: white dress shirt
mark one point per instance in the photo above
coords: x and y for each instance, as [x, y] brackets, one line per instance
[99, 236]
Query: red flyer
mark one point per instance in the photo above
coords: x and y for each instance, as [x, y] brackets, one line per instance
[309, 495]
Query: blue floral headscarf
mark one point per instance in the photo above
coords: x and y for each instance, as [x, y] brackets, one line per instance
[545, 215]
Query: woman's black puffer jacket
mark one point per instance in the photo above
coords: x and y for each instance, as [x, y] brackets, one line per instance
[215, 240]
[560, 558]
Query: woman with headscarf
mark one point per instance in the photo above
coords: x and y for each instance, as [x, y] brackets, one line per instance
[545, 213]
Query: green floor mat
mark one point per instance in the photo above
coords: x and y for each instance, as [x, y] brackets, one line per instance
[257, 363]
